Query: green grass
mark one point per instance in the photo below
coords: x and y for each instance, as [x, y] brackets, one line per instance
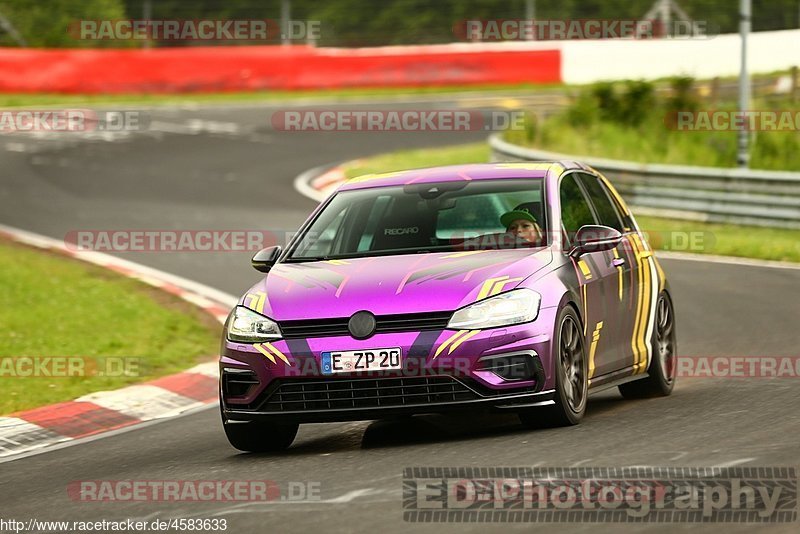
[56, 306]
[722, 239]
[354, 94]
[652, 142]
[665, 234]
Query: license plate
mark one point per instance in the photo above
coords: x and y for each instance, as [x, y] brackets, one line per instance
[350, 361]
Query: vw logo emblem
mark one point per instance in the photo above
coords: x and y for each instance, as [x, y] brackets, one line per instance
[361, 325]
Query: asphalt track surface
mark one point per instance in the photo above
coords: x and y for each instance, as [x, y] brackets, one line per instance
[187, 174]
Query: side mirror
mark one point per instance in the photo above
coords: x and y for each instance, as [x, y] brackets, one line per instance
[595, 238]
[265, 259]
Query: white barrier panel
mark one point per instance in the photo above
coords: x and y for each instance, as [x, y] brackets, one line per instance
[619, 59]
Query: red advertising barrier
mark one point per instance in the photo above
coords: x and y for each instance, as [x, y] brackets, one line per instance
[247, 68]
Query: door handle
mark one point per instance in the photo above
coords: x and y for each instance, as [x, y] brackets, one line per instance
[618, 262]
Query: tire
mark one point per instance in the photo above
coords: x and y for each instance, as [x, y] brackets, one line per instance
[259, 437]
[571, 372]
[661, 373]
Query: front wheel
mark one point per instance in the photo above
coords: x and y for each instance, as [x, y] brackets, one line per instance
[570, 367]
[661, 373]
[255, 436]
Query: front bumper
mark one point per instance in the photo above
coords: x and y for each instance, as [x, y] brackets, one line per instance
[308, 401]
[282, 381]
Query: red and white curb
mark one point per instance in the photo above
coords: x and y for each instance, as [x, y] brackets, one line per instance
[110, 410]
[318, 183]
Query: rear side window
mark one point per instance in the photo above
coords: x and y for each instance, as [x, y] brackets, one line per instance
[575, 211]
[603, 205]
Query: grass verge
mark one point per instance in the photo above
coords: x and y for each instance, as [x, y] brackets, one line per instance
[58, 307]
[356, 94]
[632, 121]
[665, 234]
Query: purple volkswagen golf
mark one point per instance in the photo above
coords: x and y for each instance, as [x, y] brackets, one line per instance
[510, 286]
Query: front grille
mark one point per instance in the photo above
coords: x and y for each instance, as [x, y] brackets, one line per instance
[385, 324]
[338, 394]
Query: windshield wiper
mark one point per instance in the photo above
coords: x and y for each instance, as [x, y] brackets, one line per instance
[303, 259]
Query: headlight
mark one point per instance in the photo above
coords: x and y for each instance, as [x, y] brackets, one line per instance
[247, 326]
[515, 307]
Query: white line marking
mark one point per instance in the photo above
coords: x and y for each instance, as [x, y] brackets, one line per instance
[734, 462]
[302, 183]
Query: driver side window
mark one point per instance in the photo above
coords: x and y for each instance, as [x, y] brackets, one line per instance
[575, 210]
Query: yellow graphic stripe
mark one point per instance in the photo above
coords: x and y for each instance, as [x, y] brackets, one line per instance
[369, 177]
[647, 257]
[593, 348]
[257, 301]
[455, 345]
[448, 341]
[587, 273]
[277, 353]
[487, 286]
[461, 254]
[585, 308]
[262, 350]
[524, 165]
[493, 286]
[644, 312]
[500, 286]
[619, 271]
[337, 262]
[639, 291]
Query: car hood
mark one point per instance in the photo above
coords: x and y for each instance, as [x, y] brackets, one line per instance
[385, 285]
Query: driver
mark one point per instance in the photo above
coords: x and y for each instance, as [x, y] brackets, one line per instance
[521, 223]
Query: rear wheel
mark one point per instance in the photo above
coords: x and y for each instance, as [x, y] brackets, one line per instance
[255, 436]
[661, 373]
[570, 367]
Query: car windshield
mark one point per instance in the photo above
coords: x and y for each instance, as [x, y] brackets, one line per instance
[426, 217]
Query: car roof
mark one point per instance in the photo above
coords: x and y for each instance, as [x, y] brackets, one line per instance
[479, 171]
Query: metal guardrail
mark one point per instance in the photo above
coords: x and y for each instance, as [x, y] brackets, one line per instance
[739, 196]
